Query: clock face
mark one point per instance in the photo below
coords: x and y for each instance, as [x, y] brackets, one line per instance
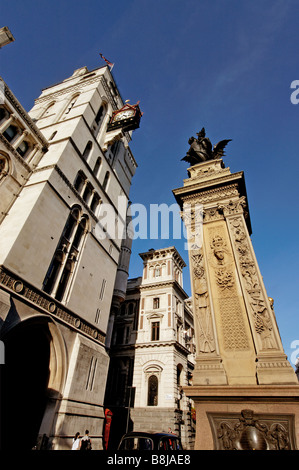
[124, 115]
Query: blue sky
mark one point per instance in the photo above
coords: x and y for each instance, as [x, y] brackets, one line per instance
[226, 65]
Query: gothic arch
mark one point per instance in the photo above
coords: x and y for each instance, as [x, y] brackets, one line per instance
[35, 373]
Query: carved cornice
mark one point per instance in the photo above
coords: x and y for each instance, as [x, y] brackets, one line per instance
[158, 285]
[210, 195]
[74, 87]
[48, 305]
[161, 344]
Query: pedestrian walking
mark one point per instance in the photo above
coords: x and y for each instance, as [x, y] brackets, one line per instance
[76, 442]
[86, 441]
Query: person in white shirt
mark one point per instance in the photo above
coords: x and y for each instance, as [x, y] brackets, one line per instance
[76, 442]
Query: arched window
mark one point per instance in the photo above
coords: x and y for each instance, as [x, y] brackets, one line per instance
[100, 115]
[87, 193]
[97, 166]
[52, 135]
[71, 223]
[87, 150]
[123, 309]
[131, 308]
[71, 104]
[179, 369]
[79, 181]
[99, 118]
[48, 110]
[152, 396]
[66, 255]
[106, 180]
[157, 271]
[95, 203]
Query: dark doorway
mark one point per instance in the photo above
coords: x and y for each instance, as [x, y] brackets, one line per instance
[24, 383]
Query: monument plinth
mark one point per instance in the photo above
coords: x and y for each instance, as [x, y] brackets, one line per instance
[240, 366]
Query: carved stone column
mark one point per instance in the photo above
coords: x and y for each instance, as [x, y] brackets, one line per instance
[240, 361]
[237, 338]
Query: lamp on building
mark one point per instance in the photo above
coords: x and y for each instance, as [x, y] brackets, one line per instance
[5, 36]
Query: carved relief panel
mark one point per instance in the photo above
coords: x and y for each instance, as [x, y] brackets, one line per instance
[260, 310]
[234, 331]
[203, 315]
[250, 431]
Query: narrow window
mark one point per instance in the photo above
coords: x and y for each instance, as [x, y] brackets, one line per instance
[123, 309]
[155, 331]
[66, 255]
[79, 182]
[23, 148]
[94, 203]
[87, 150]
[82, 227]
[97, 317]
[97, 166]
[158, 272]
[66, 273]
[131, 309]
[71, 104]
[2, 113]
[100, 115]
[156, 302]
[10, 132]
[102, 292]
[53, 135]
[152, 399]
[120, 335]
[87, 193]
[48, 110]
[53, 271]
[106, 180]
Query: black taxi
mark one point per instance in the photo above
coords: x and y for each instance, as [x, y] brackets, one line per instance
[159, 441]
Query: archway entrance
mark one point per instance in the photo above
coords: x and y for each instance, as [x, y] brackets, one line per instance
[24, 383]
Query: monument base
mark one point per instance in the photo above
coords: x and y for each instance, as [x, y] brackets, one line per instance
[260, 417]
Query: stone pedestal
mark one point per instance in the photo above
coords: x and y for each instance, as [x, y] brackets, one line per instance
[263, 417]
[238, 345]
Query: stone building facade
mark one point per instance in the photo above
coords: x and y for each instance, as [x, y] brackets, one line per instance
[59, 172]
[152, 352]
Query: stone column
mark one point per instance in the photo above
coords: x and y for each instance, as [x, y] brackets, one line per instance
[237, 337]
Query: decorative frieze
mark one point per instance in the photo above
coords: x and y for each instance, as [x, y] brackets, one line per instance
[222, 271]
[48, 305]
[260, 310]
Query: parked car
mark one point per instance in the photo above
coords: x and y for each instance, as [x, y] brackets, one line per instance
[159, 441]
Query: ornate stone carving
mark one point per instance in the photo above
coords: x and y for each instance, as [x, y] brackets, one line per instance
[224, 277]
[203, 318]
[259, 310]
[214, 194]
[233, 207]
[212, 214]
[221, 264]
[250, 431]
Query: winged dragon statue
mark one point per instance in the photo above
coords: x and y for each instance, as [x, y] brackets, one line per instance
[201, 149]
